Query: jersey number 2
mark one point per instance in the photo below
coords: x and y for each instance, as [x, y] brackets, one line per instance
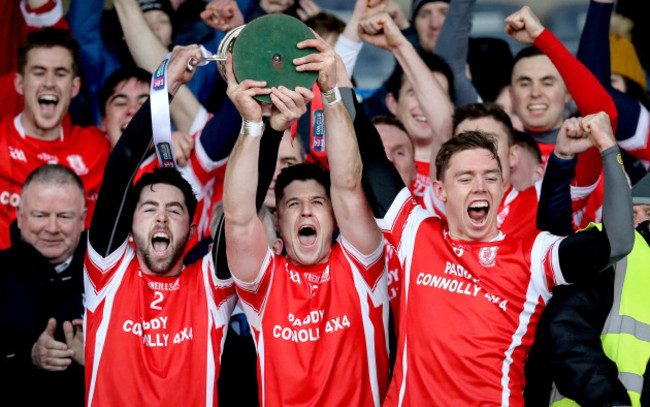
[157, 300]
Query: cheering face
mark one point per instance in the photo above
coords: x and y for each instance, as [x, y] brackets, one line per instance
[471, 189]
[428, 23]
[51, 218]
[538, 94]
[161, 229]
[122, 105]
[47, 85]
[407, 109]
[306, 221]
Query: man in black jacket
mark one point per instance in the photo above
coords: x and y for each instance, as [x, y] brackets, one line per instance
[41, 288]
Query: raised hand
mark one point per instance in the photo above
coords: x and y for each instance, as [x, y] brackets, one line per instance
[599, 129]
[307, 9]
[381, 31]
[324, 61]
[222, 15]
[288, 106]
[50, 354]
[242, 94]
[524, 26]
[572, 139]
[181, 67]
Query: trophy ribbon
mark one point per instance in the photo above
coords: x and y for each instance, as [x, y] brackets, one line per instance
[160, 121]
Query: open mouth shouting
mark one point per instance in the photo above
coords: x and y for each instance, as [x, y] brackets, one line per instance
[48, 104]
[478, 212]
[160, 241]
[307, 235]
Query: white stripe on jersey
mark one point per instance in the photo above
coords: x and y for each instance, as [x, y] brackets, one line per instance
[361, 286]
[537, 287]
[107, 294]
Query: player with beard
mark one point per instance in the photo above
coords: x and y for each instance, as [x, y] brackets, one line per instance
[152, 325]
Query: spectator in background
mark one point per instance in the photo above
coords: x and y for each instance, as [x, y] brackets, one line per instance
[47, 78]
[418, 94]
[41, 286]
[529, 168]
[398, 145]
[17, 19]
[122, 94]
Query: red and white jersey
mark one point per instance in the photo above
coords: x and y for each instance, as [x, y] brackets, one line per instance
[422, 179]
[482, 302]
[320, 331]
[206, 178]
[517, 216]
[83, 150]
[151, 340]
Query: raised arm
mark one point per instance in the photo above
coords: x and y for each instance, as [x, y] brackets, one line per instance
[245, 235]
[111, 222]
[353, 215]
[452, 45]
[147, 52]
[594, 53]
[592, 251]
[586, 91]
[381, 31]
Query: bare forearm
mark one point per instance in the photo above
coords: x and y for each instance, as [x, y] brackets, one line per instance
[434, 101]
[240, 184]
[342, 149]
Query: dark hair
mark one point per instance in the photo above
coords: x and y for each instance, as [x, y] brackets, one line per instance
[54, 174]
[468, 140]
[433, 62]
[475, 111]
[49, 37]
[301, 172]
[527, 52]
[324, 23]
[388, 120]
[528, 143]
[118, 76]
[168, 176]
[395, 122]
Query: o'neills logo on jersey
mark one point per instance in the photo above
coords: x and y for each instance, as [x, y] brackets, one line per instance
[48, 158]
[458, 251]
[487, 256]
[154, 285]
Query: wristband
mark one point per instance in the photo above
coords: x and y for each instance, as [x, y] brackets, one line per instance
[332, 96]
[251, 129]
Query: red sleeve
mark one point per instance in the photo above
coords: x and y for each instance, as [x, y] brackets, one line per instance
[588, 94]
[586, 91]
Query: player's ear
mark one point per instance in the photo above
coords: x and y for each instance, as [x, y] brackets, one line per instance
[391, 103]
[439, 191]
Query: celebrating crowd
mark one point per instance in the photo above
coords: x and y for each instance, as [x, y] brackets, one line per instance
[442, 240]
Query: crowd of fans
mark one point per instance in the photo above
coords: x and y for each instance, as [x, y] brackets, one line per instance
[474, 231]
